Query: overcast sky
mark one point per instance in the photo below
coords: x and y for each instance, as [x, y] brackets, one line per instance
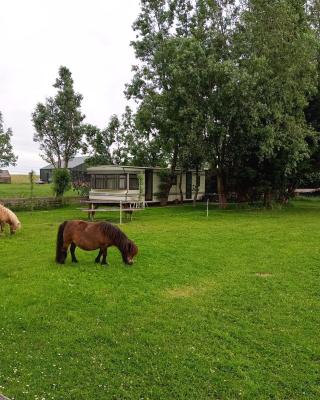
[91, 38]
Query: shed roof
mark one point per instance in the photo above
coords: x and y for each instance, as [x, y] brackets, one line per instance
[74, 162]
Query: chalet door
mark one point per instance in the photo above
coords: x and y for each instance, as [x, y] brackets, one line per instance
[148, 184]
[189, 185]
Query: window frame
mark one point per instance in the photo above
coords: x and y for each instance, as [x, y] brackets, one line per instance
[110, 182]
[133, 177]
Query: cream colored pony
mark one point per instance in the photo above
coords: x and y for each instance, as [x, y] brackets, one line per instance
[8, 217]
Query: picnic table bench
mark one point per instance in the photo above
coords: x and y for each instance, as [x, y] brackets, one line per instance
[127, 207]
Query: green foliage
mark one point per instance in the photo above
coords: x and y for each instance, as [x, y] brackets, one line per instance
[227, 82]
[61, 181]
[167, 84]
[32, 177]
[82, 188]
[141, 186]
[110, 145]
[97, 143]
[58, 122]
[7, 156]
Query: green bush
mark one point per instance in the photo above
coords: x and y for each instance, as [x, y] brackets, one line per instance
[61, 181]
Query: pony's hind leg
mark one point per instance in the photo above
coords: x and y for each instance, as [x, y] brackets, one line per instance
[97, 259]
[104, 256]
[73, 252]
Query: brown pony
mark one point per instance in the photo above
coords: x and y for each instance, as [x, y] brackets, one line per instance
[93, 236]
[8, 217]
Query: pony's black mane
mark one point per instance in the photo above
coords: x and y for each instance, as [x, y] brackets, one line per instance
[119, 238]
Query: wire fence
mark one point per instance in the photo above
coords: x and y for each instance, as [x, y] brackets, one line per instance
[245, 205]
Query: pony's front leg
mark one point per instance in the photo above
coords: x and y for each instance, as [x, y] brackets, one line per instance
[64, 253]
[2, 226]
[73, 252]
[97, 259]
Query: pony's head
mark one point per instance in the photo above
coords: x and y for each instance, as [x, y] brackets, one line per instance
[15, 227]
[130, 251]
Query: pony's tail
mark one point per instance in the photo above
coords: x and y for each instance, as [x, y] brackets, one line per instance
[60, 256]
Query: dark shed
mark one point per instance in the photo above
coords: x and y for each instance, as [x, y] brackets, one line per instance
[77, 167]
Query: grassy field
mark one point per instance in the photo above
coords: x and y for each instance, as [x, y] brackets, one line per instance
[20, 187]
[224, 308]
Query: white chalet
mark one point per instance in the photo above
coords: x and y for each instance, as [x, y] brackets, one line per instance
[139, 184]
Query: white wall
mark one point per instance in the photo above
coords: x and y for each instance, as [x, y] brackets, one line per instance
[175, 192]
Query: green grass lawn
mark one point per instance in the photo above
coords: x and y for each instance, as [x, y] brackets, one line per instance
[220, 308]
[20, 187]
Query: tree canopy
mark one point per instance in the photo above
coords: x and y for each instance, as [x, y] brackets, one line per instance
[58, 122]
[227, 83]
[7, 156]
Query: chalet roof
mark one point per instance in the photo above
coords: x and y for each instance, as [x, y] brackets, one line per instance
[125, 168]
[115, 168]
[4, 173]
[74, 162]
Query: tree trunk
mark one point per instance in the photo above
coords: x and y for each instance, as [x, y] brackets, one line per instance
[221, 190]
[58, 163]
[242, 196]
[194, 203]
[65, 163]
[180, 187]
[267, 198]
[171, 176]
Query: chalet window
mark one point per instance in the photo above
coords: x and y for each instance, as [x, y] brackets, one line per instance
[98, 181]
[109, 182]
[122, 182]
[133, 182]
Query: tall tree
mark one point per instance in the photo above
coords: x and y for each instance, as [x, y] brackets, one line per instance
[226, 81]
[116, 129]
[7, 157]
[166, 84]
[308, 174]
[98, 144]
[279, 52]
[150, 83]
[110, 145]
[58, 122]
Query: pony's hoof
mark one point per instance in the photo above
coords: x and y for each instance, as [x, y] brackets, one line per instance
[75, 261]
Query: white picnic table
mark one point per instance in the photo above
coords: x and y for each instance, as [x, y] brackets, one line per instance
[127, 207]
